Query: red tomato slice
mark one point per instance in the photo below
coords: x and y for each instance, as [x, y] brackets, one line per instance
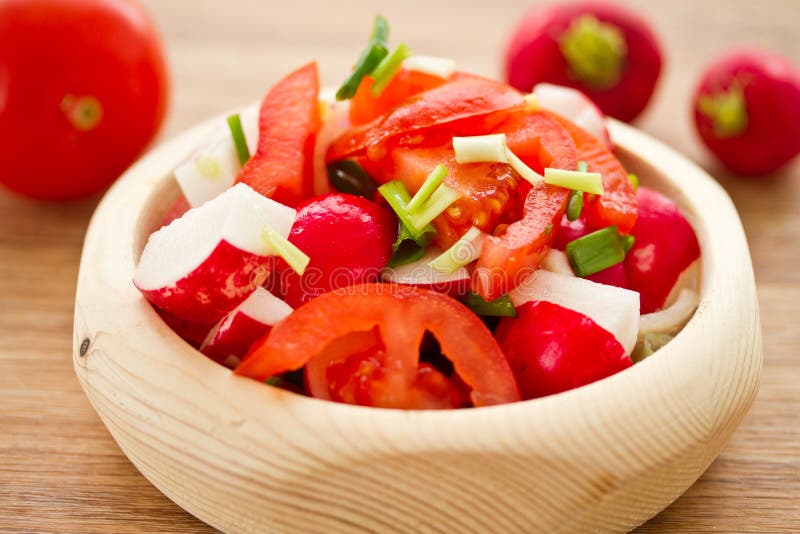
[617, 206]
[282, 167]
[540, 142]
[462, 98]
[365, 107]
[402, 315]
[553, 349]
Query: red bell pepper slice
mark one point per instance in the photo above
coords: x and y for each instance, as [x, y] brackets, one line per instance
[400, 316]
[282, 167]
[366, 107]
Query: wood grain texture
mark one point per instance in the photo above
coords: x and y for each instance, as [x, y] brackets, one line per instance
[59, 468]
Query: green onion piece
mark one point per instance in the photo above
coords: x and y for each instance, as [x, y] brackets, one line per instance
[347, 176]
[398, 197]
[574, 205]
[499, 307]
[589, 182]
[583, 166]
[407, 249]
[439, 201]
[388, 67]
[478, 148]
[627, 242]
[634, 180]
[522, 169]
[296, 258]
[463, 252]
[431, 183]
[235, 126]
[275, 381]
[380, 30]
[596, 251]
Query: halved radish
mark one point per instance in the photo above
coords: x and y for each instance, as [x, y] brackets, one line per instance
[205, 263]
[613, 308]
[573, 105]
[230, 338]
[419, 273]
[213, 169]
[189, 331]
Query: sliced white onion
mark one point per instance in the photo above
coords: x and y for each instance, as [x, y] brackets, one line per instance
[672, 318]
[437, 66]
[556, 262]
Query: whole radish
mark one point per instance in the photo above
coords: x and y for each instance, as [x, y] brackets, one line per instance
[600, 48]
[747, 111]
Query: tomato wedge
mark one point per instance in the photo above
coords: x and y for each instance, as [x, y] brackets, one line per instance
[462, 98]
[289, 120]
[402, 315]
[505, 259]
[365, 107]
[617, 206]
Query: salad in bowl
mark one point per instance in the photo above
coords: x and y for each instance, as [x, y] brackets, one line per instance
[424, 238]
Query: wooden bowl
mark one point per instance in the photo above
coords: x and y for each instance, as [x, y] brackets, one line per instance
[243, 456]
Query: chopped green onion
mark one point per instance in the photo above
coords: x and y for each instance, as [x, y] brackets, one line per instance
[522, 169]
[347, 176]
[596, 251]
[296, 258]
[275, 381]
[380, 30]
[499, 307]
[370, 58]
[548, 230]
[235, 126]
[398, 197]
[634, 180]
[583, 166]
[589, 182]
[439, 201]
[461, 253]
[388, 67]
[431, 183]
[478, 148]
[627, 242]
[407, 249]
[574, 205]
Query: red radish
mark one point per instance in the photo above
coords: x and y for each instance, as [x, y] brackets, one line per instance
[191, 332]
[176, 211]
[420, 274]
[612, 276]
[575, 106]
[570, 231]
[604, 50]
[614, 309]
[747, 111]
[349, 240]
[205, 263]
[665, 246]
[552, 349]
[230, 338]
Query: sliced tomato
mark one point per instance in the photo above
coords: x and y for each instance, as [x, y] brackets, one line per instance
[366, 107]
[460, 99]
[617, 206]
[398, 316]
[282, 167]
[553, 349]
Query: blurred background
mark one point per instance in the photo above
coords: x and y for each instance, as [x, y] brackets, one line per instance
[60, 469]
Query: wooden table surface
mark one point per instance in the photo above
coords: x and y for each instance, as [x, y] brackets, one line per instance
[61, 471]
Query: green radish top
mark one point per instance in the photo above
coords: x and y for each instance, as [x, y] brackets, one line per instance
[595, 51]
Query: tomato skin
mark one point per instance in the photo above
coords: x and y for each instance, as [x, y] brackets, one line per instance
[617, 205]
[553, 349]
[464, 97]
[282, 167]
[50, 68]
[365, 107]
[402, 315]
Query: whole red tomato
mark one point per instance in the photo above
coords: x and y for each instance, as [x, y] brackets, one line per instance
[83, 90]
